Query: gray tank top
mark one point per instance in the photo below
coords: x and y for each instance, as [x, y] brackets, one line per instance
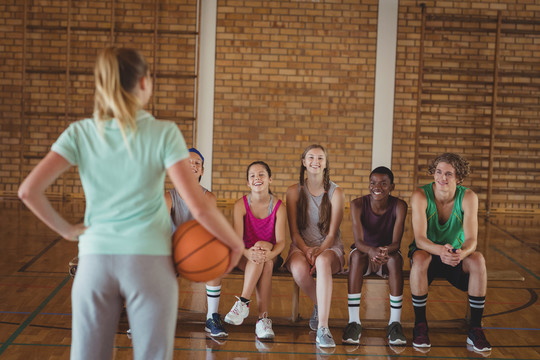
[311, 234]
[179, 211]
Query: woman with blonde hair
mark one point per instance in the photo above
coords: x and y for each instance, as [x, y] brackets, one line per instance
[123, 154]
[315, 209]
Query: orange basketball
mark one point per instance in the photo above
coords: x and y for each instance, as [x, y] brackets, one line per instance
[198, 255]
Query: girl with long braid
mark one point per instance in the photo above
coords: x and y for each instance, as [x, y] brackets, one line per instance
[315, 209]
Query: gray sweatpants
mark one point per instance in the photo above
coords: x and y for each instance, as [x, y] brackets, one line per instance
[149, 287]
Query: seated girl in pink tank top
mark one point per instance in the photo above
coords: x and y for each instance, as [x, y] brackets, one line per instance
[261, 221]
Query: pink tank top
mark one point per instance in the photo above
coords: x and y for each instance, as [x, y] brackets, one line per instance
[259, 229]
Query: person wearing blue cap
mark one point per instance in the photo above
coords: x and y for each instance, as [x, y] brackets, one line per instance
[180, 214]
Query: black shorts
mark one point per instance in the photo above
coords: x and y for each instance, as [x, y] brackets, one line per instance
[453, 274]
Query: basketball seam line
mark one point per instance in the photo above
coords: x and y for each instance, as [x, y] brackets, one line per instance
[209, 268]
[195, 250]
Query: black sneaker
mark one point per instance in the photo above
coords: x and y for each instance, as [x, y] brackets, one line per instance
[395, 334]
[420, 336]
[215, 327]
[478, 340]
[352, 333]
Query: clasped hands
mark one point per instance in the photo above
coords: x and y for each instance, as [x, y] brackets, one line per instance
[311, 256]
[450, 256]
[378, 255]
[257, 254]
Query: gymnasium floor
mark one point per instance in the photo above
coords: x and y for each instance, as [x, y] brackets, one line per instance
[35, 313]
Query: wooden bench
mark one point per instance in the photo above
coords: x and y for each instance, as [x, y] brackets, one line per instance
[493, 275]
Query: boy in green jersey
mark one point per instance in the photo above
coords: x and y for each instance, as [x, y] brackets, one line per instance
[445, 225]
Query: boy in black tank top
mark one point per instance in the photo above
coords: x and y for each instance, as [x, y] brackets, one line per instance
[378, 221]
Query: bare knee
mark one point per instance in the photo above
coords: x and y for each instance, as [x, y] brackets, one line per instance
[421, 260]
[358, 262]
[299, 267]
[215, 282]
[324, 261]
[474, 263]
[355, 257]
[263, 245]
[358, 258]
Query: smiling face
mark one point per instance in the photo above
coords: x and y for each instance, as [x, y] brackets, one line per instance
[461, 167]
[380, 186]
[315, 161]
[258, 179]
[445, 177]
[196, 164]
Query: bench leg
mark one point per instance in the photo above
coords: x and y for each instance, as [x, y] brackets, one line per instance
[295, 300]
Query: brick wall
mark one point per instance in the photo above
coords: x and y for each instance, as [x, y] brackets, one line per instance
[48, 53]
[289, 74]
[10, 100]
[458, 87]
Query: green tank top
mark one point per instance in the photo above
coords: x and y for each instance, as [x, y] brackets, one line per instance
[450, 232]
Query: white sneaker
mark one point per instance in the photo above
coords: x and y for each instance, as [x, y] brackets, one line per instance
[324, 338]
[238, 313]
[263, 328]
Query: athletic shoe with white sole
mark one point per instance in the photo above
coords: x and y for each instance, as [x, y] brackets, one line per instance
[238, 313]
[478, 340]
[215, 327]
[420, 336]
[263, 328]
[395, 334]
[324, 338]
[352, 333]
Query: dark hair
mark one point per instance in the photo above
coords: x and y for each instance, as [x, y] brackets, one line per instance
[265, 166]
[460, 165]
[302, 204]
[385, 171]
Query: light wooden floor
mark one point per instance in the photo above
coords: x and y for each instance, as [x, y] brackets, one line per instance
[35, 313]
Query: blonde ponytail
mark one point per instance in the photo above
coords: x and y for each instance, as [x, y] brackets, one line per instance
[117, 72]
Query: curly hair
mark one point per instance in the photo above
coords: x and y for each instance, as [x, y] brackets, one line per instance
[460, 165]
